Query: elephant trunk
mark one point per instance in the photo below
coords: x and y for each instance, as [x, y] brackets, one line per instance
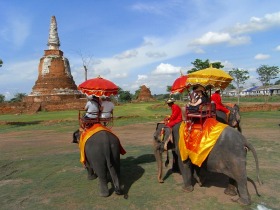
[158, 156]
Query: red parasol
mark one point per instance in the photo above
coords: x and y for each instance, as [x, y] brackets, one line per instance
[179, 84]
[99, 87]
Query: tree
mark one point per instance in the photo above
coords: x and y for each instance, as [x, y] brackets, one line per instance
[231, 86]
[86, 62]
[2, 98]
[137, 92]
[168, 88]
[266, 74]
[277, 82]
[199, 65]
[18, 97]
[239, 77]
[125, 96]
[1, 62]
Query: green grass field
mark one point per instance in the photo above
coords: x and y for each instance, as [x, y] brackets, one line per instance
[39, 168]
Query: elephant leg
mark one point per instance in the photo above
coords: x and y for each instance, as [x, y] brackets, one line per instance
[240, 176]
[103, 187]
[198, 176]
[244, 197]
[114, 169]
[186, 172]
[100, 168]
[91, 174]
[175, 165]
[230, 190]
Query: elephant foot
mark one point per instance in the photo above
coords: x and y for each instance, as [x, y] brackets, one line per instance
[92, 176]
[200, 181]
[160, 181]
[242, 201]
[230, 190]
[104, 194]
[104, 191]
[188, 189]
[118, 191]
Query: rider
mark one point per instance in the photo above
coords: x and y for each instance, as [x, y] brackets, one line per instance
[216, 98]
[201, 98]
[176, 115]
[92, 107]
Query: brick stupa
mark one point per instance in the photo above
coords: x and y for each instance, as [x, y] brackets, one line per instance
[55, 82]
[144, 94]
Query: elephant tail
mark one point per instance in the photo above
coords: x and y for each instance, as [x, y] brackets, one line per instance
[249, 146]
[113, 166]
[253, 183]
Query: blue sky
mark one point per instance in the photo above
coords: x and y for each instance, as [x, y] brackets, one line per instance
[134, 43]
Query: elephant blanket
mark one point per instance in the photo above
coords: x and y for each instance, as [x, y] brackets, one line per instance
[86, 134]
[195, 143]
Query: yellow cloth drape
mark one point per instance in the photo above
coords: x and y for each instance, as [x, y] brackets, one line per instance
[85, 136]
[196, 144]
[88, 133]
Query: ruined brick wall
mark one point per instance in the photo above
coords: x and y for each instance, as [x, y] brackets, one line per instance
[26, 108]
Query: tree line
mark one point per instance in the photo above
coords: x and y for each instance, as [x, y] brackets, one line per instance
[240, 76]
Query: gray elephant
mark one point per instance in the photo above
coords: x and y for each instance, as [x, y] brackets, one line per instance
[234, 117]
[228, 157]
[102, 153]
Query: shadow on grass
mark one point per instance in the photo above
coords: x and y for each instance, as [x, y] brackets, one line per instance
[208, 178]
[131, 170]
[215, 179]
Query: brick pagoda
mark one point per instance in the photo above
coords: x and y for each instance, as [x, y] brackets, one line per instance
[55, 82]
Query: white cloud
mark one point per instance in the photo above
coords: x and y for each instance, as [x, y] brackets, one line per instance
[156, 54]
[198, 50]
[257, 24]
[141, 77]
[240, 40]
[277, 48]
[127, 54]
[166, 69]
[261, 56]
[212, 38]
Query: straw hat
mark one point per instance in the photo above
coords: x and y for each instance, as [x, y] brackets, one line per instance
[170, 100]
[217, 89]
[200, 88]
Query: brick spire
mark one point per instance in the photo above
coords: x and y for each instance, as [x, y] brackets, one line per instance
[53, 41]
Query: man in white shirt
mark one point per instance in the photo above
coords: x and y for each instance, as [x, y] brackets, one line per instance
[92, 107]
[107, 107]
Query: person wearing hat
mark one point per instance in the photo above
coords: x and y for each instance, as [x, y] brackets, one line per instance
[176, 115]
[92, 107]
[216, 98]
[201, 98]
[106, 107]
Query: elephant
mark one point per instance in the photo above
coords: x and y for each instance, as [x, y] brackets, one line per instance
[102, 152]
[234, 117]
[228, 157]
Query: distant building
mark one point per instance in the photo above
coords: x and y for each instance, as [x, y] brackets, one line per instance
[254, 91]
